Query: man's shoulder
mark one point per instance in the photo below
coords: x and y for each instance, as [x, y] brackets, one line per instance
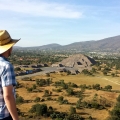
[5, 63]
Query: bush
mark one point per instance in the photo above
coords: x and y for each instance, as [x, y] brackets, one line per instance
[37, 99]
[96, 86]
[60, 98]
[58, 90]
[39, 109]
[46, 93]
[19, 100]
[43, 82]
[42, 100]
[34, 86]
[58, 116]
[108, 87]
[118, 99]
[86, 72]
[49, 98]
[72, 110]
[50, 108]
[70, 91]
[29, 89]
[17, 69]
[74, 85]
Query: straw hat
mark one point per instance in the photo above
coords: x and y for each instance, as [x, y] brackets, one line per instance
[6, 41]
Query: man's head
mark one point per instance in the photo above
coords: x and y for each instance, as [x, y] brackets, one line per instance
[7, 53]
[6, 42]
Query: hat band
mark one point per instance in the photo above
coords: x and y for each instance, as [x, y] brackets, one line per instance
[5, 41]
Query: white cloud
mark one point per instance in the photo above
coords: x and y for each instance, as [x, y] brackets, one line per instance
[39, 8]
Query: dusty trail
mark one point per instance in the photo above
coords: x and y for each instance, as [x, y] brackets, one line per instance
[115, 82]
[112, 81]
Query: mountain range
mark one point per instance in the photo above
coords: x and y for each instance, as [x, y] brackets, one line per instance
[111, 44]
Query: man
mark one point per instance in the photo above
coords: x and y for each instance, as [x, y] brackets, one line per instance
[8, 109]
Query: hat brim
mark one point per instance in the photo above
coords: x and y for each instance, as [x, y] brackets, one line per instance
[8, 46]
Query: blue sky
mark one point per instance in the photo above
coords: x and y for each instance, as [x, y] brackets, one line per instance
[42, 22]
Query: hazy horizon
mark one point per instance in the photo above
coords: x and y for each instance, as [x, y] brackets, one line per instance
[68, 43]
[42, 22]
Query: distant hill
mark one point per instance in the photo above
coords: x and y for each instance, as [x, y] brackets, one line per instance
[110, 44]
[44, 47]
[107, 44]
[48, 47]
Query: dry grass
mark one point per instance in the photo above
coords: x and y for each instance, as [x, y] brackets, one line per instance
[88, 80]
[78, 79]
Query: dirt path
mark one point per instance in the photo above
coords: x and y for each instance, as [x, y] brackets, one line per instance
[112, 81]
[115, 82]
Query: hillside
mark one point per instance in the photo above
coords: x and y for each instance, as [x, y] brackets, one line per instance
[107, 44]
[44, 47]
[111, 44]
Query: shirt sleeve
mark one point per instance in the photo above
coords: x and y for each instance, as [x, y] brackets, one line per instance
[8, 76]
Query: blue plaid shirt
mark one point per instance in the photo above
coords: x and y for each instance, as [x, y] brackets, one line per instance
[7, 77]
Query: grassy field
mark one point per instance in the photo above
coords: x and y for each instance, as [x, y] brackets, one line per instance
[89, 80]
[77, 79]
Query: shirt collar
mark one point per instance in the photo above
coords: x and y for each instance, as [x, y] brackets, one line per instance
[2, 57]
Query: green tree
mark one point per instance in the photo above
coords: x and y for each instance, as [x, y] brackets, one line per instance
[108, 87]
[39, 109]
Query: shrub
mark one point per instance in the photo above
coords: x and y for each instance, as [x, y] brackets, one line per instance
[17, 69]
[70, 91]
[60, 98]
[108, 87]
[37, 99]
[72, 110]
[50, 108]
[19, 100]
[34, 86]
[39, 109]
[46, 93]
[118, 99]
[29, 89]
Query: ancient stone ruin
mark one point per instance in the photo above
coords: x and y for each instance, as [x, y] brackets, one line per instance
[78, 62]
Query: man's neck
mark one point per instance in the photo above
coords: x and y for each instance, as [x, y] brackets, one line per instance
[4, 55]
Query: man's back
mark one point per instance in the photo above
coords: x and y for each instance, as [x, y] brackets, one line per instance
[7, 78]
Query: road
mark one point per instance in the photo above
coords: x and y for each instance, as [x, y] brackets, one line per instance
[43, 72]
